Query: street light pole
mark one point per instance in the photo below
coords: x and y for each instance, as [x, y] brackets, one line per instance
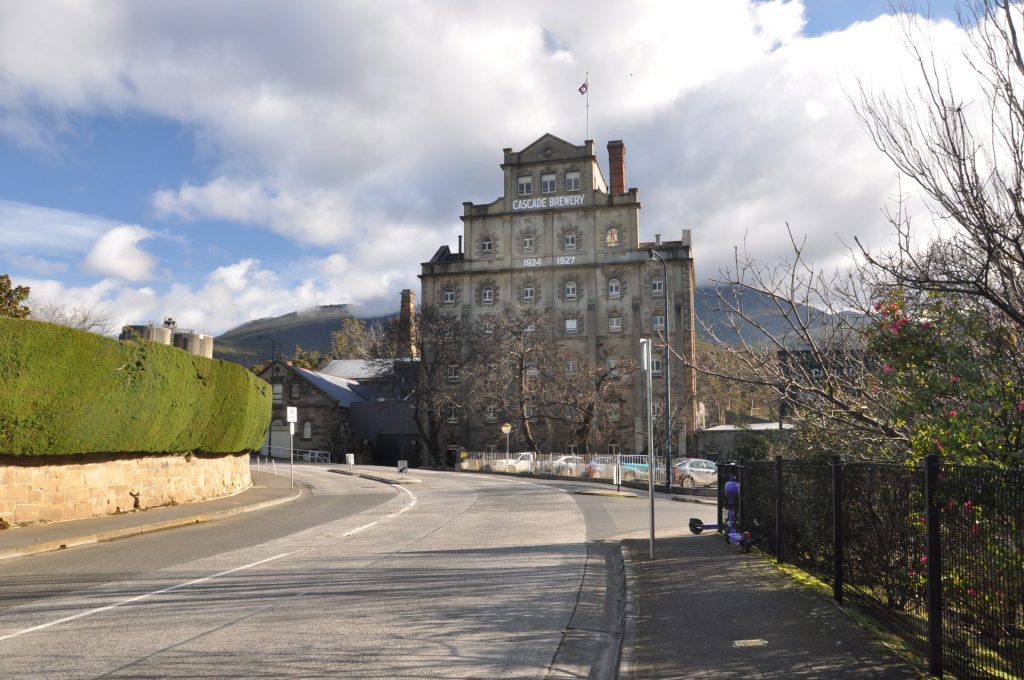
[645, 353]
[668, 374]
[273, 345]
[270, 433]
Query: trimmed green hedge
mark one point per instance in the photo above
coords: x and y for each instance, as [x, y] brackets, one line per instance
[63, 391]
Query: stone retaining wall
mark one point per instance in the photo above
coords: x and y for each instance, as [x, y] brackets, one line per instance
[56, 488]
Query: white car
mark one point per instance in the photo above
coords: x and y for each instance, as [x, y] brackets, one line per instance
[568, 466]
[522, 462]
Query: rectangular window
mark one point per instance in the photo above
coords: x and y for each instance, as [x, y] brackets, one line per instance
[570, 290]
[655, 366]
[487, 295]
[615, 324]
[613, 449]
[487, 246]
[571, 366]
[278, 390]
[572, 449]
[453, 373]
[530, 328]
[572, 181]
[531, 411]
[570, 326]
[528, 243]
[295, 390]
[657, 286]
[658, 322]
[614, 412]
[570, 240]
[449, 296]
[491, 414]
[307, 430]
[528, 293]
[453, 414]
[547, 184]
[492, 448]
[525, 185]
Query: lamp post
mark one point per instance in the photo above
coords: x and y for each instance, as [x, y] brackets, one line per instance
[668, 373]
[645, 353]
[273, 345]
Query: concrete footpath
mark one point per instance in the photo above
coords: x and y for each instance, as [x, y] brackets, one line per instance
[267, 490]
[703, 610]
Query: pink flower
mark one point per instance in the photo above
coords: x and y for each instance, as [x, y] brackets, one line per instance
[971, 592]
[968, 505]
[1020, 406]
[888, 369]
[951, 413]
[926, 324]
[975, 529]
[953, 380]
[938, 445]
[923, 559]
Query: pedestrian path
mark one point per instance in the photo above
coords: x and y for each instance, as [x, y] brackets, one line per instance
[705, 611]
[267, 490]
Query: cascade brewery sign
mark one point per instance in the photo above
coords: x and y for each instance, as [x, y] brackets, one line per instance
[547, 202]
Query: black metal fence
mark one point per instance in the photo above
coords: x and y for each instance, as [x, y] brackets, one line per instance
[935, 552]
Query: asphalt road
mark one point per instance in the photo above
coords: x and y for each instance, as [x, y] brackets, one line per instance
[460, 576]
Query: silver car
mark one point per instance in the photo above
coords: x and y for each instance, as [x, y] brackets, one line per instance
[691, 472]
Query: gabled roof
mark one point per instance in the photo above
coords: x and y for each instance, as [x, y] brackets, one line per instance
[355, 369]
[341, 389]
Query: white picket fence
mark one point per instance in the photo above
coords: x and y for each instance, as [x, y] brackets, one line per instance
[633, 468]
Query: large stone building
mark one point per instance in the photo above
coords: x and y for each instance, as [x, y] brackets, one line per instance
[560, 238]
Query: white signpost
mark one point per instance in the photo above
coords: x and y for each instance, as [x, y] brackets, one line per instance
[292, 417]
[403, 467]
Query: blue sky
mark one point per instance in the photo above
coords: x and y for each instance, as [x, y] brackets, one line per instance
[219, 162]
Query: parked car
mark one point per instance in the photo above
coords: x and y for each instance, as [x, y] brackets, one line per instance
[600, 466]
[692, 472]
[521, 462]
[568, 466]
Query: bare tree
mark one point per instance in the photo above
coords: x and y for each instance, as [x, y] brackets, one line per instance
[85, 317]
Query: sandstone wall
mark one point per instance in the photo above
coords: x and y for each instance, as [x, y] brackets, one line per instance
[57, 488]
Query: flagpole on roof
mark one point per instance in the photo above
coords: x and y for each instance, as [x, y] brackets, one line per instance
[586, 84]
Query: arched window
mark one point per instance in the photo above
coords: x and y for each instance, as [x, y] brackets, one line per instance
[570, 290]
[528, 243]
[307, 430]
[612, 238]
[570, 240]
[487, 295]
[448, 296]
[614, 289]
[487, 246]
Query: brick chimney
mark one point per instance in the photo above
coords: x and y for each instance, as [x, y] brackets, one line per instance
[407, 323]
[617, 166]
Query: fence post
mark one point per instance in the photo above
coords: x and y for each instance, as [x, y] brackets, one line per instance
[933, 553]
[837, 529]
[778, 509]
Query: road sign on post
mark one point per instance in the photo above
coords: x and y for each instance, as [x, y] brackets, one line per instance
[292, 415]
[403, 467]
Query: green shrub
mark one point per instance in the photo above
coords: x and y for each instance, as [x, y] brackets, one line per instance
[63, 391]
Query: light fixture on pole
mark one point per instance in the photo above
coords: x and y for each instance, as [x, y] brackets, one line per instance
[273, 345]
[645, 353]
[506, 428]
[668, 372]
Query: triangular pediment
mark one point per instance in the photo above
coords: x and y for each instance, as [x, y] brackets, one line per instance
[550, 147]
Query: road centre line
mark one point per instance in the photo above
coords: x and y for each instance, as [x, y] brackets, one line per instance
[144, 596]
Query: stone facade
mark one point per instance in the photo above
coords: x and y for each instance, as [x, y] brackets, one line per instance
[563, 239]
[56, 488]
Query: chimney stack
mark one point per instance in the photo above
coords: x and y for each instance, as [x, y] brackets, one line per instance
[407, 324]
[617, 166]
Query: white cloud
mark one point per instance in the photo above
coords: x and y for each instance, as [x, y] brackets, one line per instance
[26, 228]
[117, 254]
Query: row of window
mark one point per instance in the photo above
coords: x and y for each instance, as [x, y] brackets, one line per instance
[453, 412]
[569, 291]
[278, 392]
[570, 241]
[548, 183]
[571, 368]
[614, 449]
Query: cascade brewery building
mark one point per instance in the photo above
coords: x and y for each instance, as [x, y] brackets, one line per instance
[562, 240]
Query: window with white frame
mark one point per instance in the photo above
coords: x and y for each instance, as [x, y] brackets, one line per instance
[613, 448]
[453, 373]
[529, 293]
[530, 328]
[487, 295]
[614, 288]
[657, 286]
[487, 246]
[612, 237]
[491, 448]
[531, 371]
[525, 185]
[573, 449]
[547, 183]
[614, 412]
[296, 390]
[569, 239]
[528, 243]
[570, 326]
[572, 181]
[448, 296]
[658, 322]
[615, 324]
[278, 392]
[487, 327]
[571, 366]
[655, 365]
[613, 363]
[570, 412]
[531, 411]
[452, 414]
[307, 430]
[491, 413]
[570, 290]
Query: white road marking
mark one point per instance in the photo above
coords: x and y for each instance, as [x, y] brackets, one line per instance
[138, 598]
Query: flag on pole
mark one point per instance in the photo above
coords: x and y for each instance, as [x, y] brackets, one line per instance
[585, 86]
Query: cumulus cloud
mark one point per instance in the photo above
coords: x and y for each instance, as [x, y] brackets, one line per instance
[359, 137]
[117, 254]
